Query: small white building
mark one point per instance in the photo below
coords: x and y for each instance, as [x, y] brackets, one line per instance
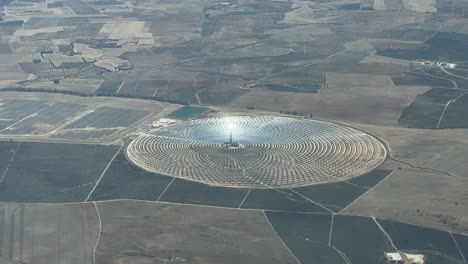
[451, 65]
[403, 258]
[414, 258]
[447, 65]
[394, 258]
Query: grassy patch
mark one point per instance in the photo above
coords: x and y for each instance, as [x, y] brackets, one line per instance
[334, 196]
[306, 235]
[182, 191]
[279, 199]
[360, 239]
[455, 116]
[44, 172]
[187, 112]
[108, 88]
[124, 180]
[421, 239]
[370, 179]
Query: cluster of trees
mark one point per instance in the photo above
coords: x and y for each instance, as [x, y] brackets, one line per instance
[44, 90]
[296, 113]
[49, 90]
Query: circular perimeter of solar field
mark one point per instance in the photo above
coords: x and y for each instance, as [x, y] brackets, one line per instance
[257, 152]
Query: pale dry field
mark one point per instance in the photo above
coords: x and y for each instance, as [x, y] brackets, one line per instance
[86, 86]
[146, 232]
[44, 234]
[428, 199]
[376, 59]
[420, 5]
[347, 80]
[438, 149]
[429, 183]
[380, 105]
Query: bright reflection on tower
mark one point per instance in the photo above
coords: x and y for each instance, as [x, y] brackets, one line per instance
[231, 143]
[231, 127]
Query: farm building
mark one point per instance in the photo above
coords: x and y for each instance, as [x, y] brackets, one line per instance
[404, 258]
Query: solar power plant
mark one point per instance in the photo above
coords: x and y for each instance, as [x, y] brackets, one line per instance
[257, 152]
[108, 117]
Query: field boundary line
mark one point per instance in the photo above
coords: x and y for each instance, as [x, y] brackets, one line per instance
[11, 47]
[312, 201]
[403, 109]
[155, 91]
[447, 105]
[387, 235]
[459, 250]
[165, 189]
[9, 162]
[408, 222]
[284, 244]
[331, 230]
[170, 203]
[99, 232]
[343, 255]
[120, 87]
[202, 205]
[449, 73]
[455, 84]
[198, 97]
[245, 197]
[443, 113]
[356, 185]
[366, 192]
[300, 67]
[102, 174]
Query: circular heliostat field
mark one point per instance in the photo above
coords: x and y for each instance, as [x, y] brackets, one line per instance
[257, 152]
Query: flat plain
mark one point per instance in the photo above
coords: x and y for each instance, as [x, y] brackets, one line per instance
[331, 59]
[48, 233]
[156, 233]
[31, 176]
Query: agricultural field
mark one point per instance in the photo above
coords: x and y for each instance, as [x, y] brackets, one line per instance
[360, 239]
[279, 199]
[324, 194]
[427, 165]
[109, 88]
[123, 180]
[437, 108]
[349, 61]
[316, 230]
[462, 243]
[141, 88]
[5, 48]
[81, 87]
[439, 246]
[350, 190]
[187, 112]
[48, 233]
[147, 232]
[182, 191]
[456, 112]
[306, 235]
[39, 178]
